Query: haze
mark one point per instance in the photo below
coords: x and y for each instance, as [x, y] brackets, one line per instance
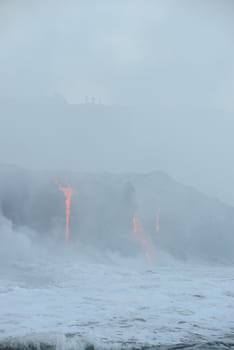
[163, 71]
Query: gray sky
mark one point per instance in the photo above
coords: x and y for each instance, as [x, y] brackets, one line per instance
[178, 55]
[125, 51]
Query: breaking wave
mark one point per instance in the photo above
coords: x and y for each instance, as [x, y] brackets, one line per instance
[75, 342]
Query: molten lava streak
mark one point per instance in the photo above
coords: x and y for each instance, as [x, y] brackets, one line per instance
[140, 236]
[68, 193]
[158, 221]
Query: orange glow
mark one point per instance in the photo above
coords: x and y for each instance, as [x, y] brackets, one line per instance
[158, 221]
[68, 193]
[140, 236]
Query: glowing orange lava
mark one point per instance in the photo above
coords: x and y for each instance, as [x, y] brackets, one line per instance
[140, 236]
[68, 193]
[158, 221]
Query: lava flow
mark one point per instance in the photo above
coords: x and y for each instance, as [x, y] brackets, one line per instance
[68, 193]
[140, 236]
[158, 221]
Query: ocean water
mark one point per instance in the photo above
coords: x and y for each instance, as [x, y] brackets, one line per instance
[65, 301]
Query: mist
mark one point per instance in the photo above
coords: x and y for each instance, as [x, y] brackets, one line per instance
[116, 174]
[164, 68]
[113, 89]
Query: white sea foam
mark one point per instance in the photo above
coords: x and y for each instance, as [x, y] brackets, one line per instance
[116, 300]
